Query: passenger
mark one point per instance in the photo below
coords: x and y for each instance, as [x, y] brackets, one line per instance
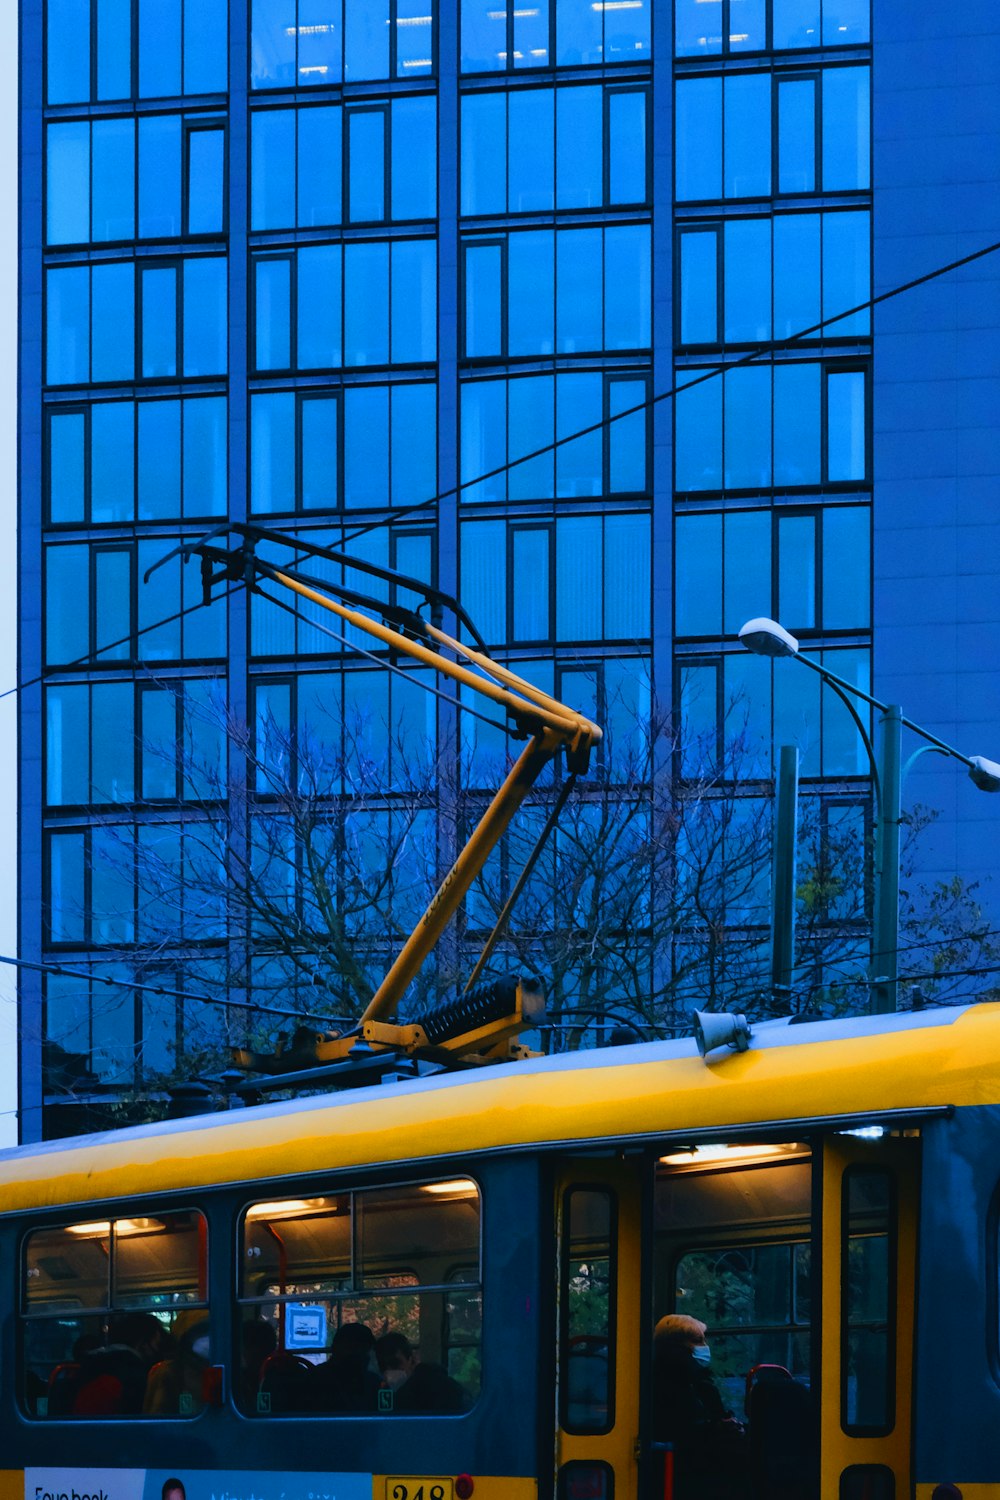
[177, 1385]
[349, 1380]
[710, 1461]
[416, 1386]
[113, 1378]
[260, 1339]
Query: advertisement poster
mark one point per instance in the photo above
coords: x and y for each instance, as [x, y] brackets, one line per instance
[187, 1484]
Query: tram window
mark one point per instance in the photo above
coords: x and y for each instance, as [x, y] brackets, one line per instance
[588, 1296]
[867, 1332]
[324, 1278]
[115, 1318]
[586, 1481]
[867, 1482]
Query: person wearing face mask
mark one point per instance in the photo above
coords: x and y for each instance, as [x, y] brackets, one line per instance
[417, 1386]
[709, 1457]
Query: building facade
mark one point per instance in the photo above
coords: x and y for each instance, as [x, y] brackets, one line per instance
[312, 263]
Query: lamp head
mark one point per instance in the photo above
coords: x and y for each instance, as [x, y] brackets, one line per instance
[766, 637]
[985, 774]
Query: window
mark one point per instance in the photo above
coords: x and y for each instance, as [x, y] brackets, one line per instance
[98, 611]
[503, 420]
[704, 27]
[115, 1317]
[588, 1293]
[126, 320]
[783, 425]
[323, 1277]
[723, 566]
[364, 303]
[371, 445]
[565, 33]
[567, 291]
[819, 121]
[122, 49]
[118, 461]
[581, 578]
[867, 1396]
[748, 280]
[533, 150]
[299, 43]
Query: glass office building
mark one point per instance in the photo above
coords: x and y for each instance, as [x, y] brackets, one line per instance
[310, 262]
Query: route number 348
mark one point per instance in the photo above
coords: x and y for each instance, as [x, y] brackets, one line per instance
[419, 1489]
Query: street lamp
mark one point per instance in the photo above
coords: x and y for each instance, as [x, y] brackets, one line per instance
[767, 638]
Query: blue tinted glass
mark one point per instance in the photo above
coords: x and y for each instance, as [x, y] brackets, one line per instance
[847, 277]
[483, 300]
[484, 158]
[272, 325]
[272, 452]
[698, 157]
[66, 603]
[796, 273]
[414, 158]
[319, 326]
[114, 49]
[205, 485]
[697, 27]
[796, 424]
[531, 410]
[112, 461]
[484, 439]
[321, 41]
[846, 130]
[627, 147]
[205, 47]
[795, 23]
[319, 166]
[319, 453]
[626, 585]
[272, 43]
[67, 325]
[484, 37]
[844, 753]
[67, 739]
[747, 25]
[747, 299]
[67, 201]
[797, 572]
[747, 105]
[846, 558]
[484, 577]
[627, 287]
[366, 304]
[66, 472]
[414, 443]
[626, 438]
[206, 173]
[748, 427]
[414, 38]
[530, 584]
[159, 321]
[747, 568]
[159, 460]
[699, 718]
[530, 292]
[579, 30]
[579, 148]
[66, 888]
[578, 278]
[699, 299]
[113, 200]
[796, 135]
[698, 575]
[845, 425]
[530, 152]
[204, 629]
[272, 156]
[579, 402]
[846, 21]
[579, 579]
[366, 39]
[68, 51]
[159, 48]
[158, 747]
[205, 319]
[112, 604]
[627, 32]
[531, 35]
[112, 292]
[366, 446]
[414, 302]
[698, 436]
[160, 177]
[159, 599]
[366, 164]
[796, 716]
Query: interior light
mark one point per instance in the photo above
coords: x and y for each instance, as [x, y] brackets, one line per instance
[413, 20]
[719, 1152]
[460, 1188]
[738, 36]
[539, 51]
[139, 1226]
[91, 1231]
[417, 62]
[866, 1132]
[317, 68]
[616, 5]
[317, 30]
[288, 1207]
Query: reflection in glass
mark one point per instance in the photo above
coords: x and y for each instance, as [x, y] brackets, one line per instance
[796, 135]
[67, 202]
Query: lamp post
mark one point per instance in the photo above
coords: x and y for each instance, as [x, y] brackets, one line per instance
[767, 638]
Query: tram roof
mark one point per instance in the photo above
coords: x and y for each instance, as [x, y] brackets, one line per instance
[863, 1066]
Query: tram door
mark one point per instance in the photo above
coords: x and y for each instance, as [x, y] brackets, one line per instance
[599, 1318]
[868, 1234]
